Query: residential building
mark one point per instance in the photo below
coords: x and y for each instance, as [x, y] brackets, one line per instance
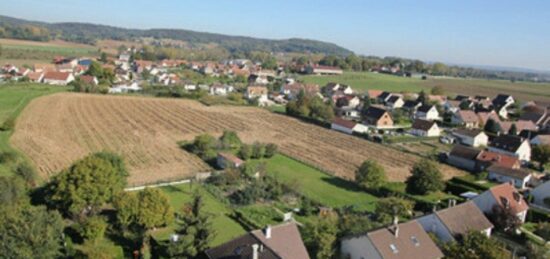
[463, 157]
[541, 195]
[219, 89]
[471, 137]
[378, 117]
[394, 102]
[505, 196]
[323, 70]
[257, 92]
[502, 174]
[486, 158]
[91, 80]
[411, 106]
[225, 160]
[453, 223]
[512, 145]
[292, 90]
[404, 241]
[503, 100]
[57, 78]
[347, 126]
[541, 139]
[466, 118]
[384, 96]
[332, 88]
[425, 128]
[535, 113]
[276, 242]
[427, 112]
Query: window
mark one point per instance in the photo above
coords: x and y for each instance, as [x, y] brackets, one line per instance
[394, 249]
[415, 241]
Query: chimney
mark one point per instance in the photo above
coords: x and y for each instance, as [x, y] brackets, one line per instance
[267, 232]
[255, 251]
[396, 226]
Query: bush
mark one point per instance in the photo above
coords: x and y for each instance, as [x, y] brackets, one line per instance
[270, 150]
[245, 152]
[93, 228]
[425, 178]
[543, 230]
[230, 139]
[8, 124]
[370, 175]
[27, 173]
[7, 157]
[257, 150]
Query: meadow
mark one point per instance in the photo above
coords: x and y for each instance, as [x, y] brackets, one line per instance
[31, 51]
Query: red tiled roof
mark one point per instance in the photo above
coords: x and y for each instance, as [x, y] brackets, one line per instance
[61, 76]
[374, 93]
[285, 241]
[344, 123]
[507, 192]
[468, 116]
[498, 158]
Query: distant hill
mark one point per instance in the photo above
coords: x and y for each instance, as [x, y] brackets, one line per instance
[88, 33]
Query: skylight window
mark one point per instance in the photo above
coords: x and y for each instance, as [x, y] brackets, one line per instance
[394, 249]
[415, 241]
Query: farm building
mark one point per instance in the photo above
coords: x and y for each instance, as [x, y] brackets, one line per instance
[503, 195]
[425, 128]
[472, 137]
[323, 70]
[502, 174]
[225, 160]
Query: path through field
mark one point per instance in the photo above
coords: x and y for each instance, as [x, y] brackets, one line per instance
[55, 130]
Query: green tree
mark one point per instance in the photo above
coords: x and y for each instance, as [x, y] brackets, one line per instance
[154, 209]
[30, 232]
[541, 154]
[270, 150]
[87, 184]
[513, 130]
[492, 126]
[425, 177]
[422, 97]
[203, 146]
[230, 139]
[270, 63]
[103, 57]
[245, 152]
[320, 237]
[370, 175]
[92, 228]
[505, 219]
[12, 190]
[475, 245]
[95, 69]
[387, 208]
[258, 150]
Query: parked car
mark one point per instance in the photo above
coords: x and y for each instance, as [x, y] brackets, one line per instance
[447, 140]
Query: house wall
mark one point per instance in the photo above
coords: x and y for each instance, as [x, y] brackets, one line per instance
[337, 127]
[434, 131]
[418, 132]
[460, 162]
[358, 248]
[385, 121]
[523, 152]
[518, 183]
[485, 202]
[540, 193]
[360, 128]
[432, 224]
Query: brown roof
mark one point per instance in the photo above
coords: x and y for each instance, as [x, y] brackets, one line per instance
[424, 125]
[468, 116]
[34, 76]
[463, 218]
[285, 241]
[256, 90]
[374, 93]
[464, 152]
[240, 248]
[344, 123]
[510, 172]
[544, 139]
[520, 125]
[87, 79]
[411, 242]
[468, 132]
[507, 193]
[498, 159]
[231, 157]
[62, 76]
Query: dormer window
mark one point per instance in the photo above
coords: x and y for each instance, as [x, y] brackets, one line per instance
[394, 249]
[415, 241]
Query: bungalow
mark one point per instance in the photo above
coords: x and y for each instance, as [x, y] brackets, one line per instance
[453, 223]
[405, 241]
[58, 78]
[425, 128]
[219, 89]
[323, 70]
[541, 195]
[225, 160]
[394, 102]
[465, 118]
[501, 174]
[463, 157]
[347, 126]
[512, 145]
[485, 159]
[427, 112]
[503, 195]
[282, 241]
[257, 92]
[471, 137]
[378, 117]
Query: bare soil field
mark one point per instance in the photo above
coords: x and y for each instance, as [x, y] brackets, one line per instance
[55, 130]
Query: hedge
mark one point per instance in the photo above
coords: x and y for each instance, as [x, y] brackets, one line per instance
[473, 185]
[537, 215]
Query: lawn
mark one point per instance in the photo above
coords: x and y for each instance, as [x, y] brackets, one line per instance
[13, 98]
[328, 190]
[226, 228]
[363, 81]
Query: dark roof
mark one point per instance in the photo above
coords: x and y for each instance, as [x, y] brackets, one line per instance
[239, 248]
[425, 108]
[500, 99]
[462, 97]
[464, 152]
[510, 172]
[509, 143]
[384, 95]
[375, 112]
[409, 104]
[463, 218]
[393, 99]
[424, 125]
[468, 132]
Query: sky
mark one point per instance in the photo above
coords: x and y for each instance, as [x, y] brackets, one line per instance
[469, 32]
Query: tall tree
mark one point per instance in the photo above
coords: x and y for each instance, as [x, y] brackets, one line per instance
[425, 177]
[320, 237]
[475, 245]
[541, 154]
[513, 129]
[387, 208]
[492, 126]
[230, 139]
[370, 175]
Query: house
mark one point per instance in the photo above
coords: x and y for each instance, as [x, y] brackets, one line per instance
[373, 94]
[350, 101]
[541, 139]
[378, 117]
[219, 89]
[224, 160]
[405, 241]
[35, 76]
[57, 78]
[332, 88]
[278, 242]
[394, 102]
[437, 99]
[258, 79]
[537, 114]
[463, 157]
[503, 101]
[292, 90]
[384, 96]
[503, 195]
[453, 223]
[512, 145]
[347, 126]
[462, 98]
[257, 92]
[486, 158]
[425, 128]
[323, 70]
[427, 112]
[502, 174]
[521, 125]
[123, 88]
[466, 118]
[44, 68]
[451, 106]
[541, 195]
[90, 80]
[471, 137]
[347, 112]
[411, 106]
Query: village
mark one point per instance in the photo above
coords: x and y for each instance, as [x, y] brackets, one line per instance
[503, 143]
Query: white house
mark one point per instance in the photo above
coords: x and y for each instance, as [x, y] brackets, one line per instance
[512, 145]
[471, 137]
[456, 221]
[257, 92]
[347, 126]
[427, 112]
[57, 78]
[123, 88]
[425, 128]
[502, 174]
[542, 193]
[395, 102]
[505, 196]
[218, 89]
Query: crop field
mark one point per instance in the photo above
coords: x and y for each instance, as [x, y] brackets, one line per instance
[362, 81]
[53, 131]
[31, 50]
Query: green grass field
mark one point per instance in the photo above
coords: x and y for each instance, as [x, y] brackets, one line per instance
[318, 186]
[225, 227]
[363, 81]
[13, 98]
[24, 50]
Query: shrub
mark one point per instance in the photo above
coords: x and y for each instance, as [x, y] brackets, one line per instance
[258, 150]
[245, 152]
[8, 124]
[93, 228]
[27, 173]
[425, 178]
[270, 150]
[370, 175]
